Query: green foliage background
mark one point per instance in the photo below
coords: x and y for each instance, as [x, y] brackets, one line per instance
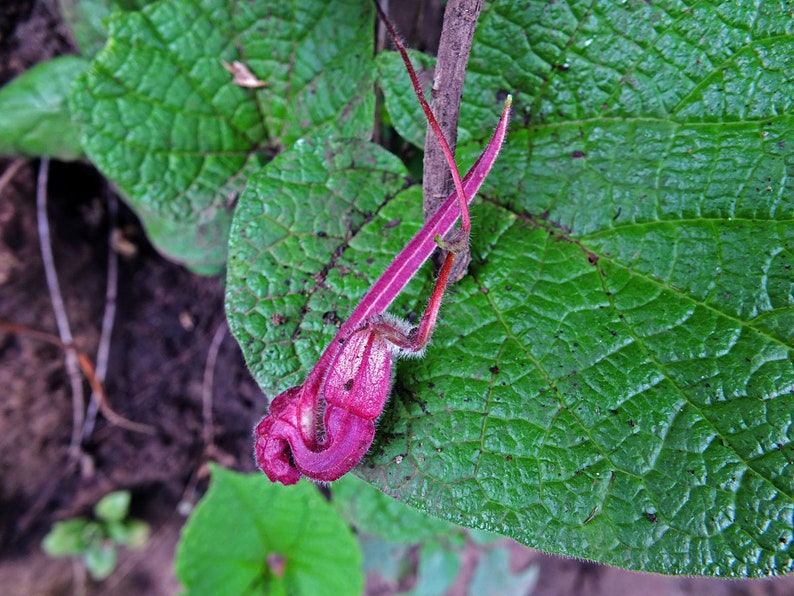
[614, 379]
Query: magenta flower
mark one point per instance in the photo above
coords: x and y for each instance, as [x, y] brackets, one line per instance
[323, 428]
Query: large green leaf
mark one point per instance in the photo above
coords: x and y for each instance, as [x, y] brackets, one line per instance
[285, 290]
[400, 99]
[371, 512]
[614, 378]
[161, 116]
[248, 536]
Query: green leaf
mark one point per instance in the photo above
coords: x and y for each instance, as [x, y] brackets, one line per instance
[116, 531]
[493, 576]
[137, 535]
[483, 537]
[300, 210]
[400, 99]
[633, 354]
[100, 560]
[613, 380]
[66, 538]
[438, 568]
[387, 562]
[34, 112]
[370, 511]
[161, 116]
[248, 536]
[134, 534]
[86, 18]
[114, 506]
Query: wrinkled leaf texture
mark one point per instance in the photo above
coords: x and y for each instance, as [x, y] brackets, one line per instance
[160, 116]
[613, 380]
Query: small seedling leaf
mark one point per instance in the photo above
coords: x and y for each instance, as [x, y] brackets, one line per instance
[100, 560]
[66, 538]
[137, 534]
[116, 531]
[134, 534]
[114, 506]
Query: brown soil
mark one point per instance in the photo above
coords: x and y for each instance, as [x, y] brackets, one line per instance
[165, 322]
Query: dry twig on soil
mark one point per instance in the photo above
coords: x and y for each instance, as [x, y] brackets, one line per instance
[209, 381]
[108, 318]
[10, 172]
[61, 319]
[87, 367]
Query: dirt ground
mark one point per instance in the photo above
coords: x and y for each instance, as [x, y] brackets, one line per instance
[165, 322]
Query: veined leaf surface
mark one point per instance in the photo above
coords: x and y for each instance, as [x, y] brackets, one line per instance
[162, 118]
[614, 379]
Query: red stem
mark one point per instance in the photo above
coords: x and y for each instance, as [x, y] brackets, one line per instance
[425, 329]
[465, 224]
[405, 265]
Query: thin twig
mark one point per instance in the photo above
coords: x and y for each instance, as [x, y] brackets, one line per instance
[190, 495]
[209, 381]
[10, 172]
[87, 368]
[114, 418]
[108, 318]
[460, 21]
[65, 333]
[188, 500]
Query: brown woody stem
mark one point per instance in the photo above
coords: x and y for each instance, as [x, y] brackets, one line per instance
[460, 21]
